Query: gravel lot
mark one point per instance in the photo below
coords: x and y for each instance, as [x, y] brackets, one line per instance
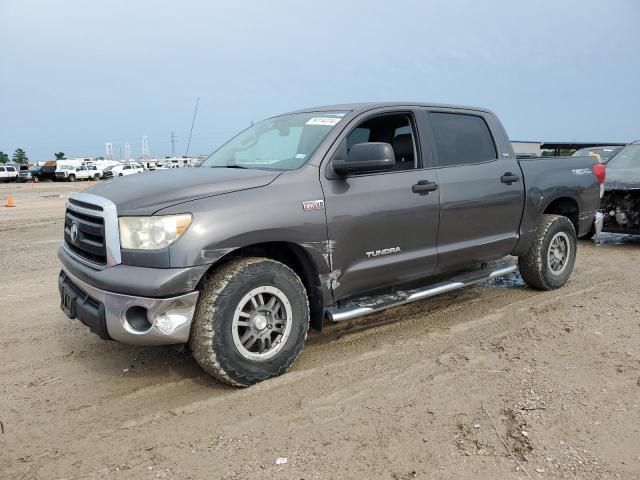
[430, 390]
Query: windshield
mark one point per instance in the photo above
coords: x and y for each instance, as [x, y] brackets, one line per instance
[628, 157]
[604, 154]
[279, 143]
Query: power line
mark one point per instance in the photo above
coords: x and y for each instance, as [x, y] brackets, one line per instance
[192, 123]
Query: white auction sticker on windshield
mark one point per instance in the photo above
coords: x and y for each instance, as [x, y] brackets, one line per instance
[324, 121]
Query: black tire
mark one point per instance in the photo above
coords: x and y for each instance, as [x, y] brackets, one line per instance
[225, 290]
[72, 178]
[96, 177]
[35, 179]
[535, 266]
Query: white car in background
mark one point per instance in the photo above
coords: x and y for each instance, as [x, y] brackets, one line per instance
[123, 170]
[67, 172]
[8, 173]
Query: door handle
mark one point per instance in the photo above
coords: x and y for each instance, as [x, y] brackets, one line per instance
[423, 187]
[509, 178]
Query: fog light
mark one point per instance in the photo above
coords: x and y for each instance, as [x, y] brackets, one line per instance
[137, 319]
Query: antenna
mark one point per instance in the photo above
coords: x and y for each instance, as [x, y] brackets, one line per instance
[192, 123]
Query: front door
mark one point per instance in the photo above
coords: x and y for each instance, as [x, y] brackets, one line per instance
[381, 232]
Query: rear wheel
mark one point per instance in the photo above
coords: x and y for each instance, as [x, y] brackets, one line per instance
[550, 259]
[35, 179]
[72, 178]
[251, 321]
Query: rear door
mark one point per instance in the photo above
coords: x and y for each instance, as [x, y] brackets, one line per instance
[481, 189]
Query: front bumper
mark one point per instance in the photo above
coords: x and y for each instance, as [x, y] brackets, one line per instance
[127, 318]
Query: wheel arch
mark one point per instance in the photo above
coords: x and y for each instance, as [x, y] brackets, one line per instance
[566, 206]
[297, 259]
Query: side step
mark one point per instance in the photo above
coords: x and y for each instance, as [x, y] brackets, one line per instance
[361, 306]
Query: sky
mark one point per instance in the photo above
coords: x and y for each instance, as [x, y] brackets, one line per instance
[76, 74]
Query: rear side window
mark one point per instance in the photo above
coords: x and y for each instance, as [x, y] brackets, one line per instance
[462, 139]
[2, 169]
[11, 169]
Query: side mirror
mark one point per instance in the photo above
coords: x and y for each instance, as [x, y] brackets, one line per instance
[366, 158]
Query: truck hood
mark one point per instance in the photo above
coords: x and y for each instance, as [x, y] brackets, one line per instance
[622, 179]
[146, 193]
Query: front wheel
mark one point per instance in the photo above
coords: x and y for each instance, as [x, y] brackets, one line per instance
[72, 178]
[251, 321]
[35, 179]
[550, 259]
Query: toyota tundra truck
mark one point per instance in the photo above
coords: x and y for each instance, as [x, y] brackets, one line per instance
[315, 216]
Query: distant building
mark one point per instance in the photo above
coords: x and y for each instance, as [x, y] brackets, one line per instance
[527, 148]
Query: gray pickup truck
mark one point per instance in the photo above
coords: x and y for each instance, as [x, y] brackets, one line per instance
[327, 213]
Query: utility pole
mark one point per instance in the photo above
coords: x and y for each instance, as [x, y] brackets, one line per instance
[173, 144]
[145, 147]
[108, 147]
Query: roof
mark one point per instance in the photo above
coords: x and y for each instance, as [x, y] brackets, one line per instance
[364, 106]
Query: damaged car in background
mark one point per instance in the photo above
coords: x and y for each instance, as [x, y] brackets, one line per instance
[621, 200]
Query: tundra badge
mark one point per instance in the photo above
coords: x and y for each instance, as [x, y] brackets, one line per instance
[312, 205]
[384, 251]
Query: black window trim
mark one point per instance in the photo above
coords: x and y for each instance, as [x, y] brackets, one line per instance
[417, 145]
[470, 113]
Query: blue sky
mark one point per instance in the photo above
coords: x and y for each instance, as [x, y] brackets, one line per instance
[76, 74]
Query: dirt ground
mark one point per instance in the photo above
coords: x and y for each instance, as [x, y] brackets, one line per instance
[495, 381]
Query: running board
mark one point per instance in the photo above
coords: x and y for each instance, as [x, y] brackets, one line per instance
[361, 306]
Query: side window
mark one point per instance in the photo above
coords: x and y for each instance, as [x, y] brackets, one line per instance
[11, 169]
[359, 135]
[395, 129]
[462, 139]
[2, 169]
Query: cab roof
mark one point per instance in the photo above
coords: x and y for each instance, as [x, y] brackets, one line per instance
[365, 106]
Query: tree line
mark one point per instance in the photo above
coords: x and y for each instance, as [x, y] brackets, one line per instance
[20, 157]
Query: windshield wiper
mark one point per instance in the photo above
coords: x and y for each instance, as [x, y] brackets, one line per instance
[229, 166]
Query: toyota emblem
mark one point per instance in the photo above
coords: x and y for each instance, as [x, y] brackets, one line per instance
[74, 232]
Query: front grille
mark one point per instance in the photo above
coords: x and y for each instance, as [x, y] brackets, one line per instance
[90, 240]
[86, 205]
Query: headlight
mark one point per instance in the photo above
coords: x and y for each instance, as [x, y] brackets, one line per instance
[152, 233]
